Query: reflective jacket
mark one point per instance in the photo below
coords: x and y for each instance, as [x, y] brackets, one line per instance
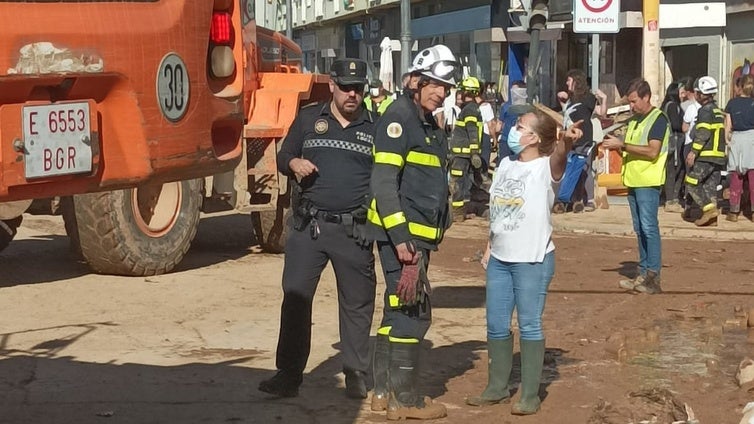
[709, 135]
[409, 179]
[369, 104]
[637, 170]
[466, 138]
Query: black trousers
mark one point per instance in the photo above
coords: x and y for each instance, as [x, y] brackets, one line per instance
[305, 259]
[405, 322]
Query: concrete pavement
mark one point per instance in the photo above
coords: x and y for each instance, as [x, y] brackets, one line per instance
[616, 220]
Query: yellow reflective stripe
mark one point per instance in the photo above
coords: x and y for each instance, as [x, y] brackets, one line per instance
[691, 180]
[399, 340]
[456, 172]
[372, 214]
[425, 231]
[709, 206]
[712, 153]
[384, 331]
[697, 146]
[389, 159]
[710, 126]
[471, 119]
[425, 159]
[473, 146]
[461, 150]
[394, 219]
[457, 204]
[460, 124]
[394, 302]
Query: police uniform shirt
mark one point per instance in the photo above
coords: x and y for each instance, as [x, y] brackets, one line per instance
[343, 157]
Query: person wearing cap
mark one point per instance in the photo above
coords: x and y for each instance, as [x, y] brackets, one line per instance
[328, 150]
[408, 216]
[707, 156]
[378, 100]
[645, 151]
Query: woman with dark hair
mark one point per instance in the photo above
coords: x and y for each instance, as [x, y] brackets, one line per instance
[674, 167]
[579, 107]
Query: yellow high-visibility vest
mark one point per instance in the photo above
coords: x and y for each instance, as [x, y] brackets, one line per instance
[638, 171]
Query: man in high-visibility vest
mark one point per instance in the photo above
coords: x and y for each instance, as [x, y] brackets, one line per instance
[645, 151]
[378, 99]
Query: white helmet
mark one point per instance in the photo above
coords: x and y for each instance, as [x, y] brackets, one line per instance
[706, 85]
[436, 62]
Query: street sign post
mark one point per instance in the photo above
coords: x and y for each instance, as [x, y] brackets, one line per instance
[596, 16]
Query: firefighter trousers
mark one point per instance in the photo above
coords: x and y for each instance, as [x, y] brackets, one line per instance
[403, 322]
[701, 183]
[305, 259]
[461, 180]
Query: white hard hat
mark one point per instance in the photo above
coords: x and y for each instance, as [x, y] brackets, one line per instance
[706, 85]
[436, 62]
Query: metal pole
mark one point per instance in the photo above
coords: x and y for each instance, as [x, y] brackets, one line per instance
[532, 79]
[405, 35]
[595, 62]
[650, 52]
[288, 20]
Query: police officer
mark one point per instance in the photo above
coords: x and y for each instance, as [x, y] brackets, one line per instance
[707, 156]
[329, 151]
[465, 148]
[408, 216]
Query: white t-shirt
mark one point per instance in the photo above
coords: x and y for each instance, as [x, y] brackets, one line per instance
[521, 197]
[689, 117]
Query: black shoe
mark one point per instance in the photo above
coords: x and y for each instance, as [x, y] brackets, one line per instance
[650, 285]
[356, 385]
[283, 384]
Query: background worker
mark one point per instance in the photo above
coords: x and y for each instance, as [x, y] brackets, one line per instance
[329, 150]
[378, 99]
[465, 148]
[645, 151]
[707, 156]
[408, 218]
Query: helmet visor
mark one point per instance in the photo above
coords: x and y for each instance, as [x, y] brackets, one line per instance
[444, 69]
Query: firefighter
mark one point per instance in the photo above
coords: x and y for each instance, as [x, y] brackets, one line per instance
[465, 148]
[408, 216]
[707, 156]
[328, 149]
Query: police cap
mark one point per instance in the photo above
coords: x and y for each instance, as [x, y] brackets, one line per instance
[349, 71]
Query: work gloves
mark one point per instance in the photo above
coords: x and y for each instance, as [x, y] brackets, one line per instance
[413, 285]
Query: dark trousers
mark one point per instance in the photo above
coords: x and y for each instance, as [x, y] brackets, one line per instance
[701, 183]
[405, 322]
[461, 179]
[675, 168]
[305, 259]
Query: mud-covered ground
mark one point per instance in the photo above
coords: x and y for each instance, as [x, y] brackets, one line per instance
[191, 346]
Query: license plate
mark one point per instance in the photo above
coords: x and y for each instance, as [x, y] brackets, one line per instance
[57, 139]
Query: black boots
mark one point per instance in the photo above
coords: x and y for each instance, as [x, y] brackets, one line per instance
[380, 363]
[403, 401]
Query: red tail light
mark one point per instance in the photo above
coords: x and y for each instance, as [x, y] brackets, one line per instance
[222, 28]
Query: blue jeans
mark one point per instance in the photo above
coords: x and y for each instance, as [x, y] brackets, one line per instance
[644, 203]
[523, 286]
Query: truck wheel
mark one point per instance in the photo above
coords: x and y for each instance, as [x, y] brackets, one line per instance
[141, 231]
[8, 230]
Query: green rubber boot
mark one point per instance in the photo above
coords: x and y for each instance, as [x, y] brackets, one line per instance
[532, 360]
[498, 373]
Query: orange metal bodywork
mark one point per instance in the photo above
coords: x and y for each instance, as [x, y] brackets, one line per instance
[135, 143]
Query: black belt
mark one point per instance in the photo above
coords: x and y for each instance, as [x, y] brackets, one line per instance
[335, 218]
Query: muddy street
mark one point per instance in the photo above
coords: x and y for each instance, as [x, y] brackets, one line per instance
[191, 346]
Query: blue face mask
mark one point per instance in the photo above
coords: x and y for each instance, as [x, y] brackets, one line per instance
[514, 140]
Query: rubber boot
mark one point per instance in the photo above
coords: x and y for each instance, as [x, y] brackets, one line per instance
[404, 402]
[379, 369]
[532, 360]
[498, 372]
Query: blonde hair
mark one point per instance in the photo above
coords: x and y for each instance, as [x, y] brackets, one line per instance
[547, 130]
[747, 85]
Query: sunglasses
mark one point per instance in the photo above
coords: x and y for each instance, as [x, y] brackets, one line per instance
[347, 88]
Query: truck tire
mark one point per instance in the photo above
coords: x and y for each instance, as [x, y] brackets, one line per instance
[138, 232]
[8, 230]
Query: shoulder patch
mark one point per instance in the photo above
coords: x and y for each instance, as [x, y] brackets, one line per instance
[394, 130]
[320, 127]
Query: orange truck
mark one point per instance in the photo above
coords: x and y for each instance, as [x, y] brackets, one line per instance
[130, 118]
